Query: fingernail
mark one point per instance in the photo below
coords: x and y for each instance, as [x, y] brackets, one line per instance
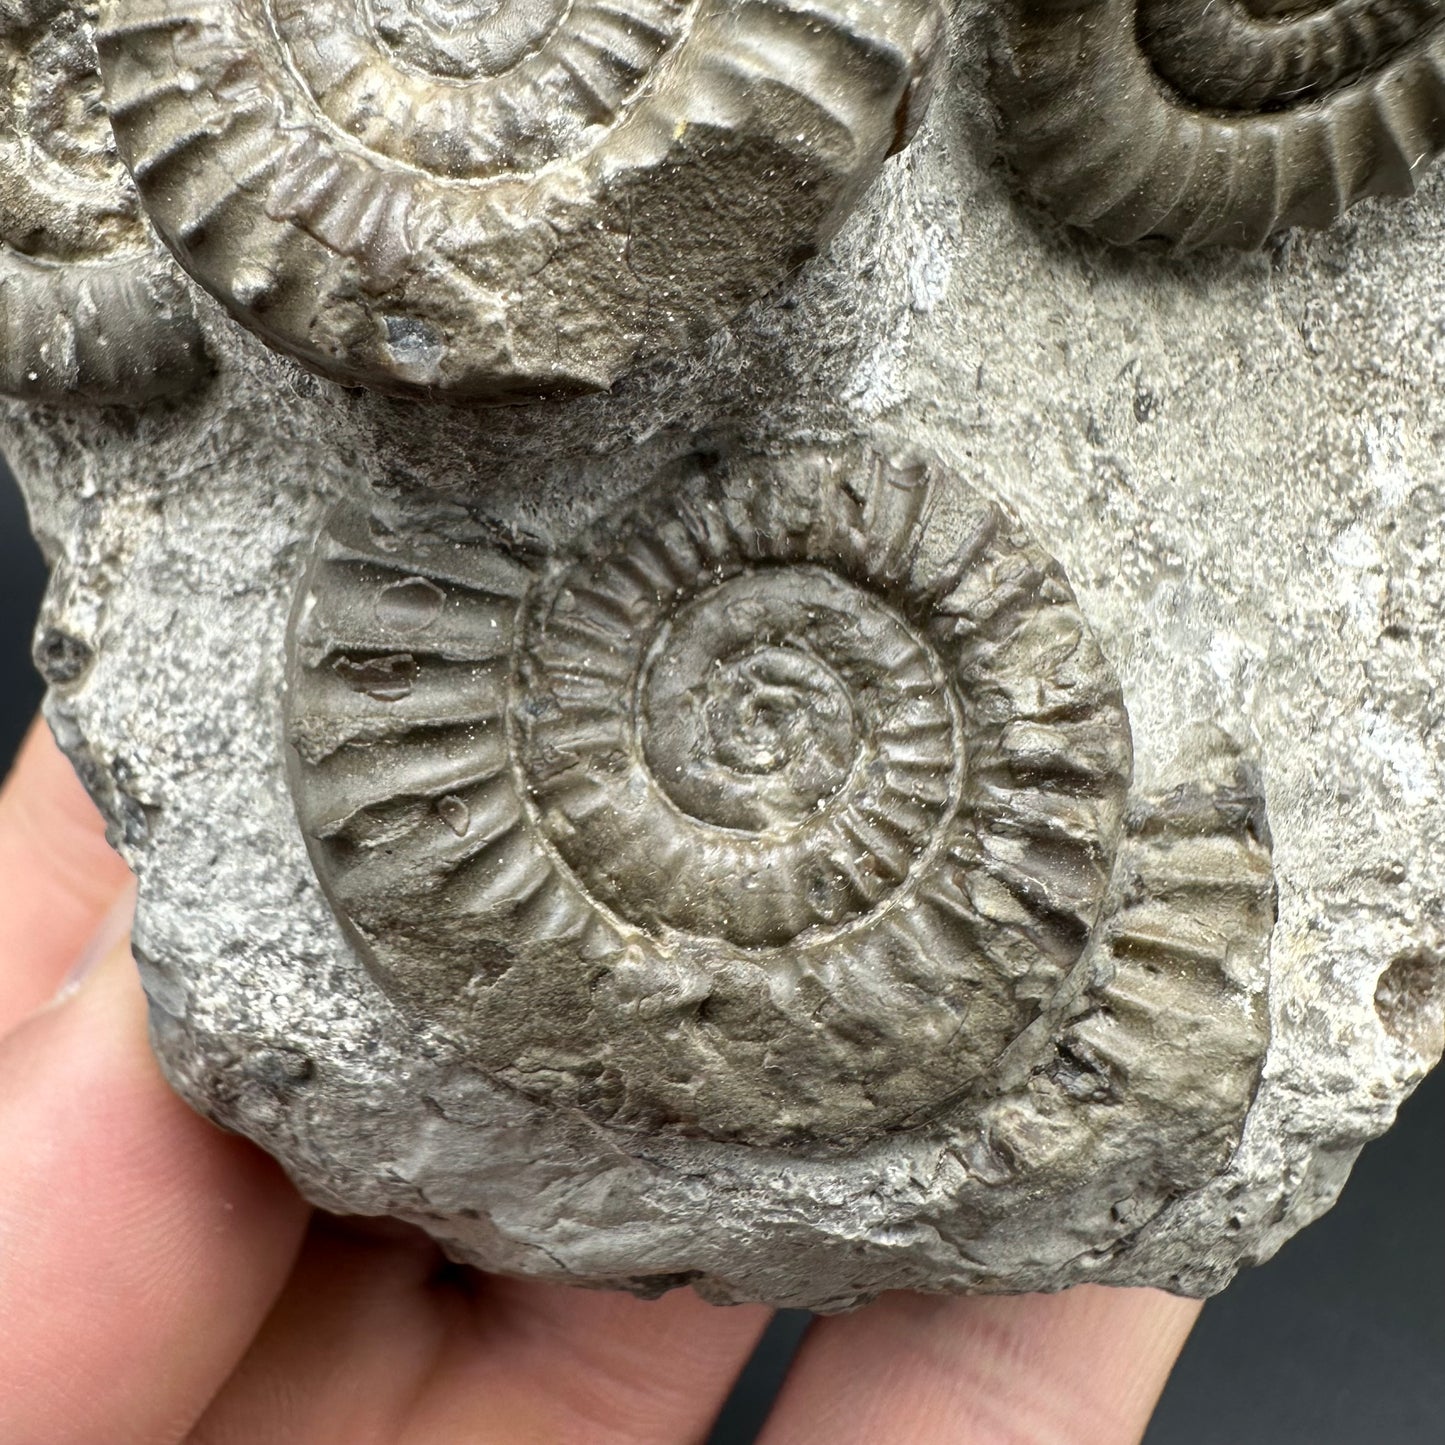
[114, 927]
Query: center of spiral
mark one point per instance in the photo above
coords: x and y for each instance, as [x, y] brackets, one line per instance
[753, 739]
[64, 113]
[50, 98]
[759, 707]
[465, 39]
[755, 758]
[476, 89]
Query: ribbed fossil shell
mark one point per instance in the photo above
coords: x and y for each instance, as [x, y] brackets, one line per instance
[1177, 1021]
[781, 811]
[91, 308]
[1202, 122]
[503, 199]
[1155, 1063]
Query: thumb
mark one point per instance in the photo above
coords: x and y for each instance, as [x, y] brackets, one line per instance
[140, 1248]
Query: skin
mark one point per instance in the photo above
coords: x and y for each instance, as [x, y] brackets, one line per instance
[161, 1282]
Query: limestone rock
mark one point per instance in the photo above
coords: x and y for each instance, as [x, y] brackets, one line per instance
[1184, 801]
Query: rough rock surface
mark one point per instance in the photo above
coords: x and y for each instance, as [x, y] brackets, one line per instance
[1233, 457]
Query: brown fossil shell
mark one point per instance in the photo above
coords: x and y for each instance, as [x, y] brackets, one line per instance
[780, 811]
[1218, 122]
[91, 308]
[504, 199]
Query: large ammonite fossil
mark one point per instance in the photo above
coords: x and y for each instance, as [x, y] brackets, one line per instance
[1201, 122]
[91, 307]
[503, 199]
[784, 809]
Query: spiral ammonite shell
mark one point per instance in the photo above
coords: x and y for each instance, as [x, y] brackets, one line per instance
[504, 199]
[1202, 122]
[91, 307]
[777, 813]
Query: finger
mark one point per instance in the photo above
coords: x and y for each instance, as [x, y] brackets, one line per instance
[379, 1343]
[58, 876]
[1086, 1366]
[142, 1247]
[634, 1372]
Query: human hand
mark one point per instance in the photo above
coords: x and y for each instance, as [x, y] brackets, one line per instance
[161, 1281]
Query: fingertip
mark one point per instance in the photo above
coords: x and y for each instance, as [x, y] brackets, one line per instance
[58, 875]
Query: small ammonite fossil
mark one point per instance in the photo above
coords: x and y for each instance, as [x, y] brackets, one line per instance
[1202, 122]
[91, 307]
[505, 199]
[783, 809]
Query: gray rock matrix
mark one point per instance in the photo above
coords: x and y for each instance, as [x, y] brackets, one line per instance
[1233, 460]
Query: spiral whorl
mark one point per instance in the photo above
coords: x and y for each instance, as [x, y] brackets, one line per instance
[91, 309]
[777, 812]
[1204, 122]
[795, 746]
[1228, 56]
[504, 199]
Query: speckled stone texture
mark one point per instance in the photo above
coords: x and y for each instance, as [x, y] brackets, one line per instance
[1235, 458]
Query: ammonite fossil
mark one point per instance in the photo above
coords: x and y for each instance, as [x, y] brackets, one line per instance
[784, 809]
[1202, 122]
[91, 308]
[503, 199]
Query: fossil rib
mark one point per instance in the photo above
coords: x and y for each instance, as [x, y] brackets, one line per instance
[91, 308]
[504, 200]
[778, 813]
[1202, 122]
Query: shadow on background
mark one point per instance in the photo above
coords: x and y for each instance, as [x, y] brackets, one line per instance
[1340, 1341]
[22, 579]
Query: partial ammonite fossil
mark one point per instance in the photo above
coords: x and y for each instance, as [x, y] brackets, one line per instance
[784, 810]
[1201, 122]
[504, 199]
[91, 307]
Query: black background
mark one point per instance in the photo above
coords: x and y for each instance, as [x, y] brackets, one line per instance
[1338, 1341]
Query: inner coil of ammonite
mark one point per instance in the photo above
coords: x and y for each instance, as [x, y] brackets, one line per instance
[792, 749]
[1203, 122]
[475, 88]
[90, 306]
[776, 811]
[505, 200]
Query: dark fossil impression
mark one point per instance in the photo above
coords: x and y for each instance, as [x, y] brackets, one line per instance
[91, 308]
[493, 201]
[1202, 122]
[788, 808]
